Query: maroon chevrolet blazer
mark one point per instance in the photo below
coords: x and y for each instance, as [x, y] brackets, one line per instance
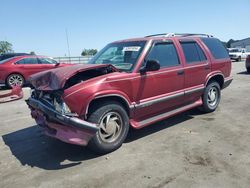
[133, 82]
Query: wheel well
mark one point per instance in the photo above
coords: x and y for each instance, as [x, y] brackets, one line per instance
[118, 99]
[217, 78]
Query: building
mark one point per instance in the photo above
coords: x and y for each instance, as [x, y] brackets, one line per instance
[244, 43]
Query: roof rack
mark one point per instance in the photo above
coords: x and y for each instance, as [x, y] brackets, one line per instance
[179, 35]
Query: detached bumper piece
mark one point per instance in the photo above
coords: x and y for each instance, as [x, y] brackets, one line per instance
[66, 128]
[15, 94]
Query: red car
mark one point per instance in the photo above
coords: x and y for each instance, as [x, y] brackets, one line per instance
[15, 71]
[133, 82]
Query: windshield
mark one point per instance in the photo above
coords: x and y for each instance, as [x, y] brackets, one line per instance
[122, 55]
[234, 50]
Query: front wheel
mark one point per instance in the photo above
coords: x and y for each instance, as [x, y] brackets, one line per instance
[15, 80]
[211, 97]
[113, 124]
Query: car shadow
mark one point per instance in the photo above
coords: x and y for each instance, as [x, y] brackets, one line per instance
[31, 147]
[244, 72]
[135, 134]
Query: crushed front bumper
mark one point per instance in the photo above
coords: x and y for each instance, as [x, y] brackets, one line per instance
[15, 94]
[63, 127]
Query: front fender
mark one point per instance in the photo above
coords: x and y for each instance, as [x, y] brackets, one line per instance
[107, 93]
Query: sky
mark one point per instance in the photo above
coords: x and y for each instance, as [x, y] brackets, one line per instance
[40, 26]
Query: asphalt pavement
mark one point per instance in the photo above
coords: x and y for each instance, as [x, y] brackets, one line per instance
[189, 150]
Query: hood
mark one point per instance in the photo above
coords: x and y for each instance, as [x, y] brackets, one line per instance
[56, 79]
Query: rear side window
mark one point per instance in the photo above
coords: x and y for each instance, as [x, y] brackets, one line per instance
[216, 48]
[28, 61]
[193, 52]
[165, 53]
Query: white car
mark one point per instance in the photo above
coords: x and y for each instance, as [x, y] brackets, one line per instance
[238, 54]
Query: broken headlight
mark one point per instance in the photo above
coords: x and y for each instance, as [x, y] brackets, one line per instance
[61, 107]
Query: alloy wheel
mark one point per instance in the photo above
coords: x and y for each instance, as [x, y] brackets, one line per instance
[15, 80]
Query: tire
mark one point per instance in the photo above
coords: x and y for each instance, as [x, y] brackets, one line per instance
[248, 70]
[15, 80]
[211, 97]
[118, 127]
[239, 59]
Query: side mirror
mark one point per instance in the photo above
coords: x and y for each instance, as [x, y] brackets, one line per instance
[57, 64]
[151, 65]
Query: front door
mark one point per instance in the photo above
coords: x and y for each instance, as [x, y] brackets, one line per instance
[160, 91]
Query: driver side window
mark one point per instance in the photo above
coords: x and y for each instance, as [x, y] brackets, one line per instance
[165, 53]
[28, 61]
[47, 61]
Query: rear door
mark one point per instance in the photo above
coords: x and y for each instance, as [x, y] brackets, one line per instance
[160, 91]
[196, 68]
[28, 66]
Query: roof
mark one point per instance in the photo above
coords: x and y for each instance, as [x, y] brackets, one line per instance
[166, 35]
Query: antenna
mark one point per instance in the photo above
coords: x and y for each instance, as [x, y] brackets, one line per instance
[66, 31]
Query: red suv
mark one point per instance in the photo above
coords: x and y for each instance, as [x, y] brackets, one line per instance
[133, 82]
[16, 70]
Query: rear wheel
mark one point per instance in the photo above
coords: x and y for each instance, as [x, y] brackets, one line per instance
[113, 124]
[248, 70]
[15, 80]
[239, 59]
[211, 97]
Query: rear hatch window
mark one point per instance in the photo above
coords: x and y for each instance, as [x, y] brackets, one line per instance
[216, 48]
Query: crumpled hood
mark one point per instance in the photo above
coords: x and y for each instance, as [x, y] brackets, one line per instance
[56, 78]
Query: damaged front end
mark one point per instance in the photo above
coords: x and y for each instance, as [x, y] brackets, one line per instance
[57, 121]
[52, 113]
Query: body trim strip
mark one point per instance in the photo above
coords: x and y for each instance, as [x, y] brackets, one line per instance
[188, 92]
[168, 97]
[158, 100]
[168, 114]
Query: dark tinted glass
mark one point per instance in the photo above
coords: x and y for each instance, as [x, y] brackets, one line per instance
[193, 52]
[10, 55]
[165, 53]
[47, 61]
[3, 57]
[28, 61]
[21, 61]
[216, 48]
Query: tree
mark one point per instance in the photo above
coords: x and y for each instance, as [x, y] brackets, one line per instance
[32, 53]
[89, 52]
[5, 47]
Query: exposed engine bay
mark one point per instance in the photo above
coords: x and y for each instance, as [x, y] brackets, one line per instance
[86, 75]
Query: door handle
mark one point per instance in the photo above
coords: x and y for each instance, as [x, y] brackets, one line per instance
[180, 72]
[207, 67]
